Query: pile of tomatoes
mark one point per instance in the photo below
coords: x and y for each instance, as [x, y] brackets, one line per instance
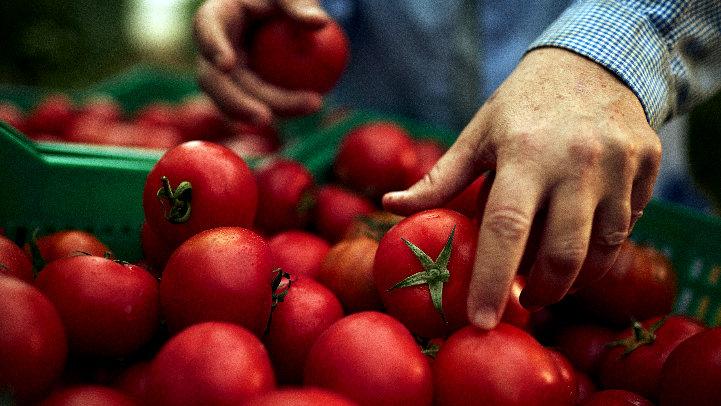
[259, 286]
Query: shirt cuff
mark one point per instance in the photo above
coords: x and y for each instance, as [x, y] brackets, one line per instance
[622, 40]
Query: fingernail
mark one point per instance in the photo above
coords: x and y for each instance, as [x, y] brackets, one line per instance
[486, 319]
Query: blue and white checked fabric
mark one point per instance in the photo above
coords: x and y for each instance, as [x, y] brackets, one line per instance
[667, 51]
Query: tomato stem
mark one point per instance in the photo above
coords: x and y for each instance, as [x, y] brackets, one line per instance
[179, 200]
[434, 274]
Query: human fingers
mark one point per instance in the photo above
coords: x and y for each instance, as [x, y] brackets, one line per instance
[217, 26]
[234, 101]
[454, 171]
[513, 201]
[308, 12]
[281, 101]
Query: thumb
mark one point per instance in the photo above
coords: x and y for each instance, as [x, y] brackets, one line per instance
[308, 12]
[453, 172]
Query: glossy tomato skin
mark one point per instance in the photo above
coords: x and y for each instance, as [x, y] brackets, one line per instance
[64, 243]
[641, 284]
[503, 366]
[640, 370]
[584, 345]
[133, 380]
[375, 158]
[307, 310]
[209, 363]
[298, 252]
[108, 308]
[33, 344]
[224, 191]
[87, 395]
[336, 209]
[569, 377]
[615, 397]
[429, 230]
[219, 274]
[299, 396]
[14, 261]
[691, 375]
[286, 194]
[295, 57]
[429, 151]
[515, 313]
[347, 270]
[371, 358]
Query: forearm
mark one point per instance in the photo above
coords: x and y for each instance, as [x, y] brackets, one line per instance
[668, 53]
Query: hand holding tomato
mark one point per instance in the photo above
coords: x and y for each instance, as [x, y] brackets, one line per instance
[222, 31]
[565, 138]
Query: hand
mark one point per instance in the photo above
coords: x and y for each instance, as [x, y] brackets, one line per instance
[221, 28]
[566, 137]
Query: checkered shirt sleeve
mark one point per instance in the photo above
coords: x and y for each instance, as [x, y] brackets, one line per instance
[668, 52]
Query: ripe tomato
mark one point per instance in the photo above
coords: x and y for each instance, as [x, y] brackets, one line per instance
[515, 313]
[615, 397]
[33, 345]
[298, 252]
[286, 194]
[108, 308]
[133, 380]
[641, 284]
[371, 358]
[292, 56]
[87, 395]
[429, 151]
[347, 270]
[218, 189]
[14, 261]
[434, 250]
[156, 251]
[336, 208]
[11, 114]
[52, 115]
[467, 201]
[569, 377]
[219, 274]
[691, 375]
[635, 362]
[65, 243]
[210, 363]
[306, 311]
[300, 396]
[503, 366]
[373, 225]
[198, 118]
[375, 158]
[584, 345]
[251, 141]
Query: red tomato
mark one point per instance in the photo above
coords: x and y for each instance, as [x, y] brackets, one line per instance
[210, 363]
[336, 209]
[157, 113]
[429, 152]
[635, 363]
[376, 158]
[198, 118]
[514, 312]
[306, 311]
[467, 201]
[503, 366]
[14, 261]
[156, 137]
[569, 376]
[298, 252]
[641, 284]
[251, 141]
[441, 263]
[108, 308]
[133, 380]
[347, 270]
[292, 56]
[218, 189]
[300, 396]
[156, 251]
[691, 375]
[53, 114]
[286, 194]
[66, 243]
[584, 345]
[371, 358]
[87, 395]
[33, 345]
[219, 274]
[103, 106]
[615, 397]
[586, 385]
[373, 225]
[11, 114]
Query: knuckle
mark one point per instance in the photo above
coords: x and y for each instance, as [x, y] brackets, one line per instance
[508, 224]
[610, 239]
[567, 257]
